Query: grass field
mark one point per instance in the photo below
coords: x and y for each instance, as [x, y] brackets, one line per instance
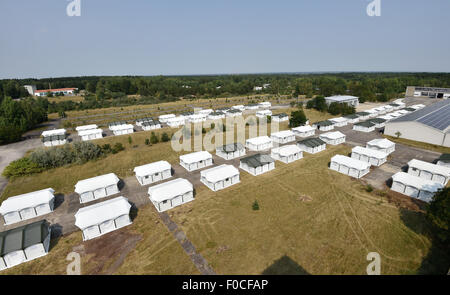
[418, 144]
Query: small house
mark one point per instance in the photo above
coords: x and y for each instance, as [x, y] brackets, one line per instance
[176, 121]
[284, 136]
[333, 138]
[429, 171]
[122, 129]
[220, 177]
[216, 116]
[374, 157]
[86, 127]
[260, 143]
[287, 153]
[151, 125]
[304, 131]
[365, 126]
[257, 164]
[312, 145]
[165, 118]
[233, 113]
[378, 122]
[170, 194]
[54, 137]
[153, 172]
[196, 160]
[363, 115]
[97, 187]
[324, 125]
[339, 121]
[263, 113]
[415, 187]
[381, 144]
[352, 118]
[231, 151]
[90, 134]
[283, 117]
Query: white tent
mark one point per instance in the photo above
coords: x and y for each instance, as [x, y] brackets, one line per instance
[150, 125]
[304, 131]
[104, 217]
[287, 154]
[364, 126]
[363, 115]
[26, 206]
[220, 177]
[231, 151]
[351, 167]
[312, 145]
[196, 160]
[23, 244]
[164, 118]
[238, 107]
[324, 125]
[263, 113]
[284, 136]
[258, 143]
[265, 104]
[352, 118]
[233, 113]
[176, 121]
[257, 164]
[252, 107]
[333, 138]
[381, 144]
[97, 187]
[280, 117]
[372, 113]
[414, 186]
[444, 160]
[170, 194]
[153, 172]
[216, 116]
[374, 157]
[54, 132]
[429, 171]
[90, 134]
[339, 122]
[205, 111]
[122, 129]
[197, 118]
[86, 127]
[54, 137]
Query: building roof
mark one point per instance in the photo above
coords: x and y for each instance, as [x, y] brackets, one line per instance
[233, 111]
[264, 112]
[369, 152]
[195, 157]
[341, 98]
[362, 114]
[121, 127]
[166, 116]
[103, 211]
[89, 132]
[152, 168]
[338, 120]
[170, 189]
[430, 167]
[54, 132]
[86, 127]
[54, 90]
[150, 123]
[305, 128]
[282, 115]
[23, 237]
[435, 116]
[257, 160]
[323, 123]
[117, 123]
[91, 184]
[417, 182]
[350, 162]
[27, 200]
[381, 142]
[259, 140]
[312, 142]
[282, 134]
[287, 150]
[232, 147]
[377, 120]
[54, 137]
[365, 124]
[332, 135]
[218, 113]
[219, 173]
[351, 116]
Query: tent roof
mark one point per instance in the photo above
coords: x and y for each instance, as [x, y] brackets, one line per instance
[323, 123]
[259, 140]
[89, 131]
[305, 128]
[445, 158]
[350, 162]
[338, 120]
[22, 237]
[433, 168]
[27, 200]
[287, 150]
[360, 114]
[312, 142]
[257, 160]
[282, 134]
[232, 147]
[121, 127]
[150, 123]
[282, 115]
[351, 116]
[170, 189]
[369, 152]
[152, 168]
[381, 142]
[54, 132]
[86, 127]
[103, 211]
[417, 182]
[195, 157]
[219, 173]
[166, 116]
[377, 120]
[365, 124]
[90, 184]
[332, 135]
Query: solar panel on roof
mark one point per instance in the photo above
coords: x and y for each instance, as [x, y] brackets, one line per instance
[436, 115]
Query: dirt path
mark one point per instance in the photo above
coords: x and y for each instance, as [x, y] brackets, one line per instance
[198, 260]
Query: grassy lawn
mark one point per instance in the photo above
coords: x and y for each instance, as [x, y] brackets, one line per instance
[418, 144]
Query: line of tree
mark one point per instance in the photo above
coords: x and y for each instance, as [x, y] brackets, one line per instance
[334, 108]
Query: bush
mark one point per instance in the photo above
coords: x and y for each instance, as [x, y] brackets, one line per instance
[53, 157]
[255, 205]
[117, 148]
[106, 148]
[213, 125]
[147, 141]
[23, 166]
[130, 140]
[203, 130]
[369, 188]
[438, 212]
[165, 137]
[86, 151]
[154, 138]
[298, 118]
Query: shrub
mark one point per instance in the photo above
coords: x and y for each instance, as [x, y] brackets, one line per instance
[130, 140]
[117, 148]
[255, 205]
[106, 148]
[154, 138]
[86, 151]
[203, 130]
[147, 141]
[23, 166]
[369, 188]
[165, 137]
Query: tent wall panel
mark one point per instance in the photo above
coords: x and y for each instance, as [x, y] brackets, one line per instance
[43, 209]
[91, 232]
[2, 264]
[411, 191]
[107, 226]
[122, 221]
[35, 251]
[86, 197]
[439, 178]
[100, 193]
[14, 258]
[27, 213]
[12, 217]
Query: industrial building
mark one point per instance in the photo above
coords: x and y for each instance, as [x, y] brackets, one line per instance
[348, 99]
[430, 124]
[431, 92]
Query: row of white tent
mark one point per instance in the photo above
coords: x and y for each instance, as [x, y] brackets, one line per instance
[422, 180]
[54, 137]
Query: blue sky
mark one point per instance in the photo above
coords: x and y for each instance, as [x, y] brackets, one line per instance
[153, 37]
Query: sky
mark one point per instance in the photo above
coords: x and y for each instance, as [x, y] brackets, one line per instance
[188, 37]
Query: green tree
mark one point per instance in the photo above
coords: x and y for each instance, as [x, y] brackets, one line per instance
[438, 213]
[298, 118]
[154, 138]
[165, 137]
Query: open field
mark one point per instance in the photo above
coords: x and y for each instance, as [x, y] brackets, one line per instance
[75, 98]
